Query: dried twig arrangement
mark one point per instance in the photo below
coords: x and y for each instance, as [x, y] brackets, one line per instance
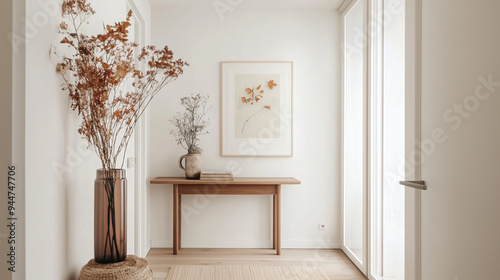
[192, 122]
[106, 87]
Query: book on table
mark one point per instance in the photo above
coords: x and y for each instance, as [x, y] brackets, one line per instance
[217, 172]
[216, 175]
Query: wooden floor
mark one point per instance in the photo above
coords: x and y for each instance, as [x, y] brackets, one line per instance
[333, 262]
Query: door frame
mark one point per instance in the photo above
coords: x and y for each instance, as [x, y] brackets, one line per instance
[141, 152]
[344, 10]
[375, 136]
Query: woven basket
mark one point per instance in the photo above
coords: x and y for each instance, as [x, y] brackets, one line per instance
[133, 268]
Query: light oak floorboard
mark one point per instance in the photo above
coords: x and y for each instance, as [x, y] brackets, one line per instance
[334, 263]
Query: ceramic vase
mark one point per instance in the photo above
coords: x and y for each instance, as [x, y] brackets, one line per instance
[192, 166]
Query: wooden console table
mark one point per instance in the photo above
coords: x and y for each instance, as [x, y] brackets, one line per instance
[240, 186]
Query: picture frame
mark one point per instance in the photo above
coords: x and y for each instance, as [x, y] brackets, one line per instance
[256, 109]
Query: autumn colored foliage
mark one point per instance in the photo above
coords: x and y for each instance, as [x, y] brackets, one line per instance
[271, 84]
[106, 86]
[254, 95]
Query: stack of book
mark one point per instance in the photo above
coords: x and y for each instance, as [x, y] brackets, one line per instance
[216, 175]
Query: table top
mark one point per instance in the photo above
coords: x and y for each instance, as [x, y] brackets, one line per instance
[236, 181]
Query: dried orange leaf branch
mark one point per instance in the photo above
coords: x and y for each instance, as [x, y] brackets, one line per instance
[255, 95]
[106, 87]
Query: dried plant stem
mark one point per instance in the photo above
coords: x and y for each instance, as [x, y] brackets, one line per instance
[111, 241]
[243, 129]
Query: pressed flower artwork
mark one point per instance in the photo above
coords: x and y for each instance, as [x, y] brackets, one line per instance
[257, 104]
[256, 109]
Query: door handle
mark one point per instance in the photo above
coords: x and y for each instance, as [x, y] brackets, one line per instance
[419, 185]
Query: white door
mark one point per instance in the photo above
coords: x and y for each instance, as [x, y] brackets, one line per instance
[455, 234]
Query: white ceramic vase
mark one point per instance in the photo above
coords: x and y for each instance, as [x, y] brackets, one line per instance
[192, 166]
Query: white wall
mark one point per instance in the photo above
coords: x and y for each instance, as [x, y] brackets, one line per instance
[460, 221]
[310, 38]
[60, 172]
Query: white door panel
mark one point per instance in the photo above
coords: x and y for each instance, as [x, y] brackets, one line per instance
[460, 132]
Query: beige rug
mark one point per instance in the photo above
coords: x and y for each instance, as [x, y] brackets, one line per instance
[208, 272]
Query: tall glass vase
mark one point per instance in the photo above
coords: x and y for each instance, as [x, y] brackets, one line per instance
[110, 216]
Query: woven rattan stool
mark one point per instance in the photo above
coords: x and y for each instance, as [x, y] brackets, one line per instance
[133, 268]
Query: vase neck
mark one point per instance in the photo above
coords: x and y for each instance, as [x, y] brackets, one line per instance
[194, 151]
[110, 173]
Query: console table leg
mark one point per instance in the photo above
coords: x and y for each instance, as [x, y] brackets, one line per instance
[176, 220]
[275, 203]
[278, 219]
[180, 221]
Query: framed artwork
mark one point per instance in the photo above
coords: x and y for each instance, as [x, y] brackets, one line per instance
[256, 109]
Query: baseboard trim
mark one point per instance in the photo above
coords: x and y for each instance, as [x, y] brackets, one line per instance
[148, 247]
[236, 243]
